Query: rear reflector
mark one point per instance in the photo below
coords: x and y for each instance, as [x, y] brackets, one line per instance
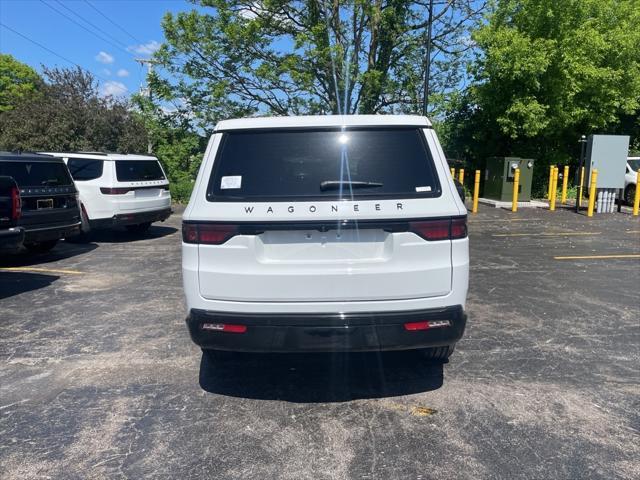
[224, 327]
[442, 229]
[16, 204]
[207, 233]
[114, 191]
[414, 326]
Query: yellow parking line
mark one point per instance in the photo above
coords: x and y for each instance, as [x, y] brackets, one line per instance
[597, 257]
[40, 270]
[550, 234]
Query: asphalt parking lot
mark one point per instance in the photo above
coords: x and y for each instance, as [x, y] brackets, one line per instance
[99, 378]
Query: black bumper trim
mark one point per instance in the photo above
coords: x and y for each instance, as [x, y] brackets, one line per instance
[45, 233]
[320, 332]
[131, 219]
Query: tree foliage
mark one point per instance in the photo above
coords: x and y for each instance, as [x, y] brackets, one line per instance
[70, 115]
[281, 57]
[18, 82]
[546, 73]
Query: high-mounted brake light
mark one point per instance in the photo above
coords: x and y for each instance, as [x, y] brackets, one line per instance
[16, 203]
[114, 191]
[443, 229]
[207, 233]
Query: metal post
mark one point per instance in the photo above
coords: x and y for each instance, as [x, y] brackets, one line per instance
[453, 172]
[551, 168]
[554, 188]
[583, 154]
[592, 192]
[427, 73]
[516, 185]
[150, 63]
[636, 198]
[461, 176]
[565, 179]
[579, 198]
[476, 192]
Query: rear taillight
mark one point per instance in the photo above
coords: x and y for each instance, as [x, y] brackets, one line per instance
[114, 191]
[207, 233]
[224, 327]
[16, 203]
[442, 229]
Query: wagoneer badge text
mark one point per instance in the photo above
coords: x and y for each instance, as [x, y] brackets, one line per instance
[356, 207]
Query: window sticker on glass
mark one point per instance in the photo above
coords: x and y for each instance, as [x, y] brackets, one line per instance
[423, 189]
[234, 181]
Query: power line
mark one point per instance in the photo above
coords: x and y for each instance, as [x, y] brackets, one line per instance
[112, 22]
[90, 23]
[83, 27]
[50, 51]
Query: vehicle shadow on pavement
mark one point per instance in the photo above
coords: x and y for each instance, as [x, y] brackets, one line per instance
[14, 283]
[61, 251]
[122, 235]
[320, 378]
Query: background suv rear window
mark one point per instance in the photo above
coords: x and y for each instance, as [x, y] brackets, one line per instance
[138, 170]
[84, 168]
[285, 164]
[37, 173]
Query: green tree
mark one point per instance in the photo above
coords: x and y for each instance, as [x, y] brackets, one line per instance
[70, 115]
[18, 82]
[547, 72]
[240, 57]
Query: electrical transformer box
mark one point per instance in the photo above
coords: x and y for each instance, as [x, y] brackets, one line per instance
[608, 154]
[499, 174]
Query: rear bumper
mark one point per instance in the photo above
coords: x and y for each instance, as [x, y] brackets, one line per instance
[132, 218]
[45, 233]
[326, 332]
[11, 238]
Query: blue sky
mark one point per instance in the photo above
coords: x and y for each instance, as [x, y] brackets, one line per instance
[110, 58]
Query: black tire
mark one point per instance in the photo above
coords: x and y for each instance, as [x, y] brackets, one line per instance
[139, 228]
[438, 354]
[41, 247]
[630, 194]
[85, 230]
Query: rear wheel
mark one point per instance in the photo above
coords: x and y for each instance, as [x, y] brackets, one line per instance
[139, 228]
[438, 354]
[41, 247]
[630, 194]
[85, 230]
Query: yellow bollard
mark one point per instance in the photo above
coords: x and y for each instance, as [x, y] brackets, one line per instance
[554, 189]
[592, 192]
[565, 179]
[551, 168]
[636, 199]
[461, 176]
[453, 172]
[516, 187]
[579, 199]
[476, 192]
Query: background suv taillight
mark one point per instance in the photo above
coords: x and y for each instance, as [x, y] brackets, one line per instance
[208, 233]
[16, 203]
[113, 191]
[440, 229]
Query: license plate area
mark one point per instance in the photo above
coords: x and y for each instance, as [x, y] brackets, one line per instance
[44, 203]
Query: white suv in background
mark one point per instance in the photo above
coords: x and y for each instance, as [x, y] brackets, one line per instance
[327, 233]
[119, 190]
[631, 179]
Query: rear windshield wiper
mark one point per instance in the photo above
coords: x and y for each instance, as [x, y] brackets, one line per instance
[336, 184]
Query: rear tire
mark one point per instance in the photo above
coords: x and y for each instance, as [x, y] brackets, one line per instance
[139, 228]
[630, 194]
[85, 230]
[41, 247]
[438, 354]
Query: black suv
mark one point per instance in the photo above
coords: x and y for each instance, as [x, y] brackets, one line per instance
[49, 198]
[11, 236]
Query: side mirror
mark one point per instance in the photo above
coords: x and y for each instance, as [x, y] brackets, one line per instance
[460, 189]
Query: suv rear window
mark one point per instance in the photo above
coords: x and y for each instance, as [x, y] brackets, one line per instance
[325, 164]
[36, 173]
[85, 168]
[138, 170]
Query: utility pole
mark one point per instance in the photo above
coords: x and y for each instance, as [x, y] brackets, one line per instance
[428, 62]
[147, 91]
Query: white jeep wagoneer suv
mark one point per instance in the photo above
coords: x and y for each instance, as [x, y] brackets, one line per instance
[327, 233]
[119, 190]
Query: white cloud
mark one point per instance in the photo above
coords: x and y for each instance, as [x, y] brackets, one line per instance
[104, 57]
[106, 71]
[113, 89]
[122, 73]
[148, 48]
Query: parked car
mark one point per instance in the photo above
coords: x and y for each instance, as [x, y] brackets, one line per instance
[119, 190]
[11, 235]
[49, 198]
[326, 233]
[631, 179]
